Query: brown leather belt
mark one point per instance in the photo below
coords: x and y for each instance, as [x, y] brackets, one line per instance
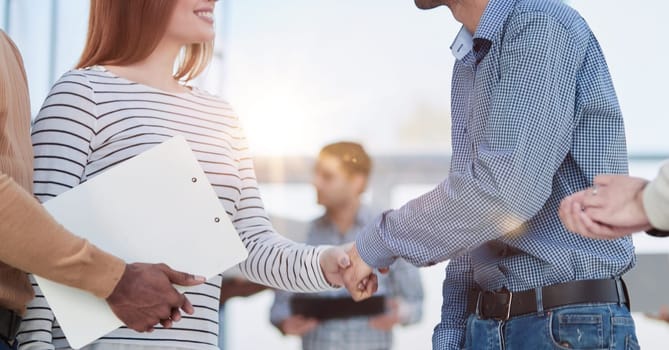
[503, 304]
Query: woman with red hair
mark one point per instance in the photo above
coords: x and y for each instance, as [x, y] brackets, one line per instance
[130, 92]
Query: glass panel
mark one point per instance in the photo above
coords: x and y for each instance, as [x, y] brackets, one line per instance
[303, 73]
[4, 13]
[637, 60]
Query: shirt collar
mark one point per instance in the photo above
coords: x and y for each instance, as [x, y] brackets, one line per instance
[462, 44]
[492, 20]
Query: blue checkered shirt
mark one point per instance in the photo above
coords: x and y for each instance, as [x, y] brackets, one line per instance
[534, 118]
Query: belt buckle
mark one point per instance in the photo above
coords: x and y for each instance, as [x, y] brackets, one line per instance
[507, 313]
[490, 311]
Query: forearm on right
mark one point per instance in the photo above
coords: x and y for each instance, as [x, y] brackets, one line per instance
[34, 242]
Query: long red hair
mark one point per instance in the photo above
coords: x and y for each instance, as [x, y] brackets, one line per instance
[122, 32]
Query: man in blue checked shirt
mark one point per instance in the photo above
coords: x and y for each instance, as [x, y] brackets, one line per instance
[535, 118]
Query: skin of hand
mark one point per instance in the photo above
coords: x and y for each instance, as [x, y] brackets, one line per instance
[334, 262]
[614, 210]
[145, 296]
[360, 279]
[298, 325]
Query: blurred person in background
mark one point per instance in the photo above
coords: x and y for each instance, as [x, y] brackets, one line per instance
[331, 320]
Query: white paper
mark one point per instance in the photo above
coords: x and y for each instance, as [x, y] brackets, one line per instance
[156, 207]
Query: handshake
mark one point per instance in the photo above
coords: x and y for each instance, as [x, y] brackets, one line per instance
[343, 266]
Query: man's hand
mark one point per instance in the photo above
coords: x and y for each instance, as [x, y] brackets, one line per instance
[618, 201]
[145, 296]
[611, 209]
[334, 261]
[388, 320]
[298, 325]
[359, 279]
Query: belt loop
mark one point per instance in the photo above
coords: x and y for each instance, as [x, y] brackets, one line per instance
[479, 295]
[620, 289]
[538, 293]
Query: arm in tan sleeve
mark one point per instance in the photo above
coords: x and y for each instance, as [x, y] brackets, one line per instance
[34, 242]
[656, 200]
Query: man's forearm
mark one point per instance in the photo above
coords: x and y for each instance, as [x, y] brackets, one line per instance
[34, 242]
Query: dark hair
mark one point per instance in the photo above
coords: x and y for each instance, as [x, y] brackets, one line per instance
[354, 159]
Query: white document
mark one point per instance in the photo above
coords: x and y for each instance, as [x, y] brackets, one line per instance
[156, 207]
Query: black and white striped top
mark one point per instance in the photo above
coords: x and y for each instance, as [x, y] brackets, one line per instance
[93, 120]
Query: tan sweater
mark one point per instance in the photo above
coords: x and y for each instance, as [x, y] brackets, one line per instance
[656, 200]
[30, 240]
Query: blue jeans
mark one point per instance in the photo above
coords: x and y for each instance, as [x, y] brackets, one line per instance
[583, 326]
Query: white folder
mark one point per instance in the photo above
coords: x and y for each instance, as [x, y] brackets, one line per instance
[156, 207]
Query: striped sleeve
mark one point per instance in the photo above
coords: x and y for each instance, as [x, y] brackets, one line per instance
[61, 138]
[273, 260]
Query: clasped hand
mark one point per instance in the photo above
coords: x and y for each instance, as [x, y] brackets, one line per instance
[611, 209]
[343, 266]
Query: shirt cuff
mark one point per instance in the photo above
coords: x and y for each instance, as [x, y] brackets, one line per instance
[372, 247]
[655, 203]
[321, 282]
[102, 277]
